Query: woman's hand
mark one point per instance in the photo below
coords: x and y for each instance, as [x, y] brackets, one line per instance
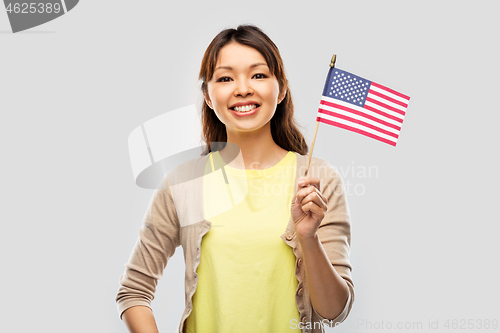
[309, 207]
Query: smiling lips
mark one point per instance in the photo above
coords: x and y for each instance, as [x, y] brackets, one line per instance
[244, 106]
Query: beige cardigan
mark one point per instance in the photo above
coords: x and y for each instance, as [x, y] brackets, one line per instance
[175, 217]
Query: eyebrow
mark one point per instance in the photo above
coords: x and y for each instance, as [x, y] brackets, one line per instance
[251, 66]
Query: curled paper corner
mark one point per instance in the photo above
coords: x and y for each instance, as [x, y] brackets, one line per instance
[164, 142]
[171, 142]
[26, 15]
[161, 143]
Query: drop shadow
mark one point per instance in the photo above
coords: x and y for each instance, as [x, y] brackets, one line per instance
[27, 32]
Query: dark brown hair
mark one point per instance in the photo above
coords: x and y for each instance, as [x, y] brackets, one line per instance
[283, 125]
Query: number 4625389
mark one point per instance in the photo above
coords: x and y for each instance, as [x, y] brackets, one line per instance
[33, 7]
[471, 324]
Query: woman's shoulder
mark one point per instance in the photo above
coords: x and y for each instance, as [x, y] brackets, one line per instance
[187, 170]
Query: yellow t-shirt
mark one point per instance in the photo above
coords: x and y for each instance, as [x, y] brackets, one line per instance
[246, 277]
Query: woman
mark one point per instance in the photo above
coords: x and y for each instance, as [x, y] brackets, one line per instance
[270, 259]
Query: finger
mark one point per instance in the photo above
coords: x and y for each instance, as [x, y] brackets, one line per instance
[323, 198]
[314, 209]
[315, 197]
[304, 181]
[304, 192]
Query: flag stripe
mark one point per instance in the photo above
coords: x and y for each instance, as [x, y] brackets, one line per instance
[380, 108]
[368, 107]
[358, 126]
[357, 130]
[376, 93]
[385, 102]
[390, 90]
[383, 105]
[359, 113]
[397, 98]
[358, 121]
[385, 115]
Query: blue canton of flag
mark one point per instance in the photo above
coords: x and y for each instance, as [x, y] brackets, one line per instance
[347, 87]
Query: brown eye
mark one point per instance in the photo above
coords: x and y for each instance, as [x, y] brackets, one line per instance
[224, 79]
[260, 76]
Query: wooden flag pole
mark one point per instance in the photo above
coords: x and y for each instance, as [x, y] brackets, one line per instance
[332, 64]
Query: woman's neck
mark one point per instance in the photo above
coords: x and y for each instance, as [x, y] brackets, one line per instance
[246, 150]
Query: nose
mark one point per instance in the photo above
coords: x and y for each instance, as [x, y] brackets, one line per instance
[243, 88]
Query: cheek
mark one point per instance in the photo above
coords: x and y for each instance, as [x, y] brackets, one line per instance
[274, 91]
[217, 95]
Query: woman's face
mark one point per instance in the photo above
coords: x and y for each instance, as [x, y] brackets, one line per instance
[242, 92]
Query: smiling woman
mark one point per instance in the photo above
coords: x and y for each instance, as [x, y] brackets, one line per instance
[241, 68]
[262, 260]
[243, 92]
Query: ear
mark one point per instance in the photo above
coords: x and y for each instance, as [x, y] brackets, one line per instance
[208, 101]
[281, 96]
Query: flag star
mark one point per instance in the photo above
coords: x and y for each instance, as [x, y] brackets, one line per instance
[347, 97]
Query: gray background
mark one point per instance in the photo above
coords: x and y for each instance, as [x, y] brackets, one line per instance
[424, 228]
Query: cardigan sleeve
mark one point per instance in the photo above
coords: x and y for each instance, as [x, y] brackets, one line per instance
[157, 241]
[334, 233]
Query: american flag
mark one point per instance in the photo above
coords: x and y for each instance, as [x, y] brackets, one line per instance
[362, 106]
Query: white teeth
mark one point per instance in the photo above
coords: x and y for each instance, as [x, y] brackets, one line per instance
[245, 108]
